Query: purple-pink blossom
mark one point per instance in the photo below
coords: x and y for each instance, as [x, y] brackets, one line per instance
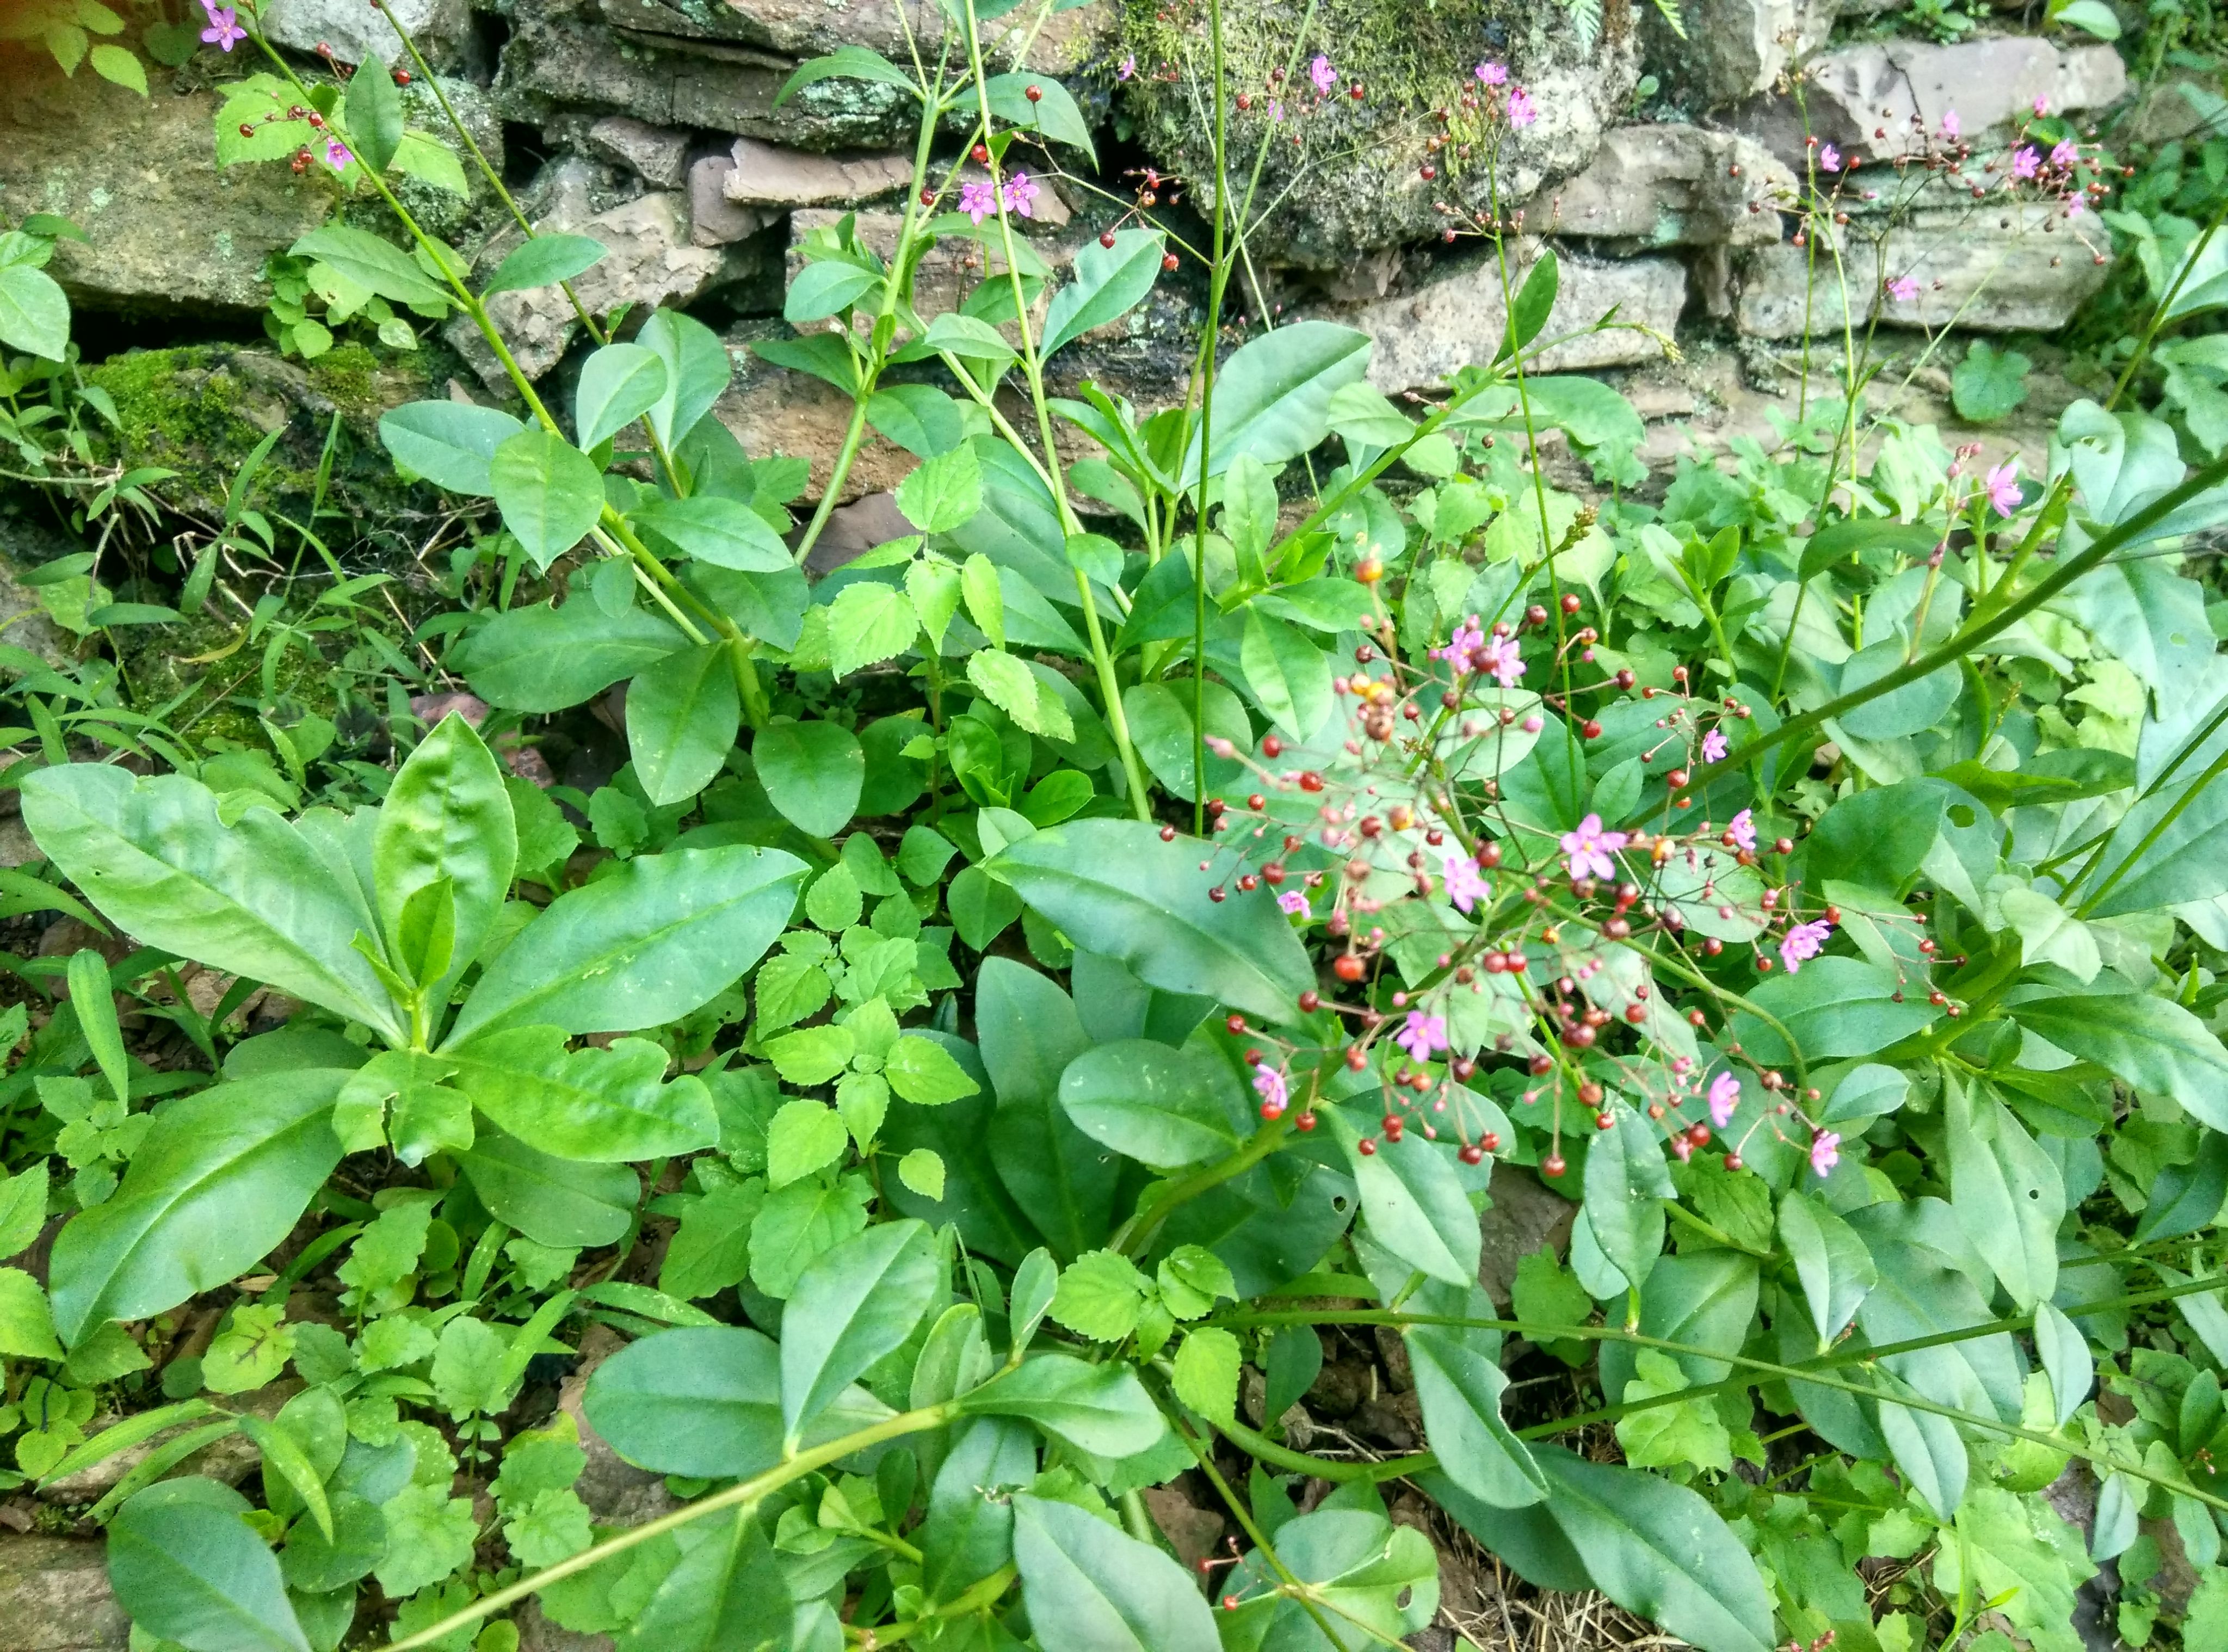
[2025, 163]
[1725, 1096]
[1502, 658]
[1713, 746]
[1825, 1152]
[2003, 487]
[224, 30]
[2041, 107]
[1589, 847]
[1950, 123]
[1829, 158]
[336, 155]
[1903, 289]
[2064, 154]
[1463, 649]
[1803, 942]
[1493, 74]
[976, 200]
[1464, 887]
[1521, 110]
[1421, 1034]
[1020, 190]
[1742, 829]
[1129, 67]
[1324, 76]
[1292, 904]
[1276, 1094]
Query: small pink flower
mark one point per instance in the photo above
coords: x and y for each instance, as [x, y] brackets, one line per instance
[1464, 887]
[1743, 828]
[1725, 1096]
[2041, 107]
[1713, 746]
[1521, 110]
[1493, 74]
[1903, 289]
[1020, 190]
[2075, 206]
[1803, 942]
[976, 199]
[1274, 1093]
[1277, 111]
[2064, 154]
[2003, 487]
[1324, 76]
[2025, 163]
[1950, 123]
[1129, 68]
[336, 155]
[1829, 158]
[224, 31]
[1825, 1152]
[1502, 658]
[1589, 847]
[1292, 904]
[1463, 649]
[1422, 1035]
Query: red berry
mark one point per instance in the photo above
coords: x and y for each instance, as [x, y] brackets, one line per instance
[1305, 1121]
[1169, 262]
[1107, 240]
[1347, 967]
[1218, 894]
[981, 153]
[1312, 781]
[1310, 1001]
[928, 197]
[1732, 1161]
[1034, 94]
[1355, 91]
[402, 77]
[1490, 1142]
[1356, 1057]
[1167, 834]
[1553, 1165]
[1365, 1146]
[1591, 729]
[1236, 1024]
[1473, 1154]
[1271, 746]
[246, 131]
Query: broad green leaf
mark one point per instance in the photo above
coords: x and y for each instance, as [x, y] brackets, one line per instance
[1361, 413]
[544, 261]
[919, 418]
[866, 623]
[607, 1107]
[2065, 1358]
[619, 384]
[446, 816]
[451, 444]
[728, 1594]
[1412, 1199]
[373, 108]
[1989, 384]
[682, 716]
[1362, 1572]
[370, 262]
[221, 1179]
[968, 1532]
[1162, 1107]
[35, 316]
[27, 1326]
[1051, 110]
[1109, 283]
[2007, 1191]
[1090, 1587]
[697, 371]
[1289, 675]
[823, 287]
[1160, 715]
[805, 1137]
[1008, 683]
[1835, 1007]
[551, 1200]
[1834, 1268]
[1205, 1372]
[1535, 301]
[922, 1170]
[1063, 1181]
[1626, 1185]
[2153, 1043]
[943, 492]
[846, 62]
[1703, 1299]
[1100, 1296]
[1101, 1409]
[188, 1568]
[722, 532]
[655, 941]
[924, 1073]
[256, 899]
[813, 772]
[1460, 1390]
[93, 997]
[1143, 901]
[1272, 396]
[852, 1306]
[549, 492]
[2184, 1198]
[544, 659]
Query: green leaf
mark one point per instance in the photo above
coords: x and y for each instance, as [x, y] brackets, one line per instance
[619, 384]
[551, 1200]
[2155, 1045]
[1831, 1262]
[370, 262]
[93, 997]
[27, 1326]
[186, 1567]
[118, 67]
[801, 1222]
[2007, 1193]
[943, 493]
[1143, 901]
[728, 1594]
[1289, 675]
[852, 1306]
[1052, 111]
[1535, 301]
[824, 288]
[1160, 724]
[23, 1208]
[1009, 684]
[1989, 384]
[155, 859]
[723, 532]
[805, 1137]
[1835, 1006]
[697, 371]
[1062, 1179]
[447, 816]
[35, 316]
[702, 1401]
[1090, 1587]
[1205, 1372]
[922, 1170]
[2091, 16]
[924, 1073]
[1100, 1296]
[605, 1106]
[813, 772]
[1413, 1200]
[2183, 1199]
[812, 1055]
[1109, 282]
[655, 941]
[2065, 1358]
[429, 1535]
[682, 716]
[846, 62]
[544, 659]
[221, 1179]
[249, 1352]
[374, 109]
[1459, 1389]
[544, 261]
[1272, 396]
[1626, 1185]
[1358, 1568]
[550, 493]
[1162, 1107]
[868, 622]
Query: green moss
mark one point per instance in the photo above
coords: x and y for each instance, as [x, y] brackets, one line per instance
[345, 374]
[177, 408]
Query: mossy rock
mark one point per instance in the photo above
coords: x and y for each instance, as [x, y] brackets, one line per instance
[202, 410]
[1353, 181]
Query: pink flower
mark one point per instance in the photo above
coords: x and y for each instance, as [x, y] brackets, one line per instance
[1292, 904]
[1713, 746]
[1804, 941]
[1464, 887]
[2075, 206]
[2041, 107]
[1493, 74]
[976, 199]
[1324, 76]
[1725, 1096]
[1743, 828]
[1903, 289]
[2065, 154]
[1589, 847]
[1020, 190]
[336, 155]
[2003, 487]
[1276, 110]
[1502, 658]
[1464, 649]
[224, 31]
[1825, 1152]
[2025, 161]
[1421, 1034]
[1829, 158]
[1521, 111]
[1950, 123]
[1274, 1093]
[1128, 68]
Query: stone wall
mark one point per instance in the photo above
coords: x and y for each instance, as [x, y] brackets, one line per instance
[653, 125]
